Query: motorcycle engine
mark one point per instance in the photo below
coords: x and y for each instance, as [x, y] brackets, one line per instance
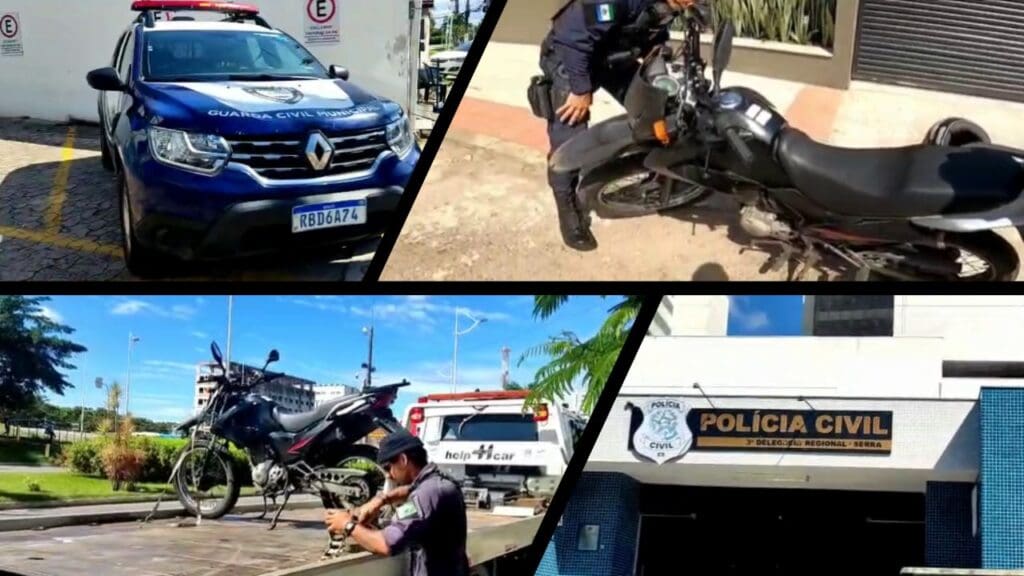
[761, 224]
[269, 476]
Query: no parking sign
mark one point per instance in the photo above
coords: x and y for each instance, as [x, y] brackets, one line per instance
[323, 22]
[10, 35]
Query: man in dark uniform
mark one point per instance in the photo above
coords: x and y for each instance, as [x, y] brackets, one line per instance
[584, 33]
[431, 523]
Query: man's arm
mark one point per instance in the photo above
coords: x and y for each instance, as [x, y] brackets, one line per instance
[371, 539]
[582, 26]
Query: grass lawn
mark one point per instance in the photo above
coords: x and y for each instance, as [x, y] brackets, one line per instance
[25, 452]
[68, 486]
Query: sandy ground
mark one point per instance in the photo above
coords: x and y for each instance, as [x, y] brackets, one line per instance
[486, 213]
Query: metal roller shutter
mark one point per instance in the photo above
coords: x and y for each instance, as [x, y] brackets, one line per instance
[967, 46]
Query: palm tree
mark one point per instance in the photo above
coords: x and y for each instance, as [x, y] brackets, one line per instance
[574, 361]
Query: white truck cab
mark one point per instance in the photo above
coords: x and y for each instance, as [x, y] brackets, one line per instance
[498, 449]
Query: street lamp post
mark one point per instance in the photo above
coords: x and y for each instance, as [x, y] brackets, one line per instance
[457, 333]
[368, 365]
[128, 390]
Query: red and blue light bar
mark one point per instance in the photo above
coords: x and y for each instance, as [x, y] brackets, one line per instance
[171, 5]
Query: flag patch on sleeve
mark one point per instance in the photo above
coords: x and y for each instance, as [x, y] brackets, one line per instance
[605, 12]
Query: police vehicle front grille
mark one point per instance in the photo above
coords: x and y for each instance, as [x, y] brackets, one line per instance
[285, 158]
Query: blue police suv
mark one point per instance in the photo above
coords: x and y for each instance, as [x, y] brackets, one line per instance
[228, 138]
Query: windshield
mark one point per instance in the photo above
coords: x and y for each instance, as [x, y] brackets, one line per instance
[205, 55]
[490, 428]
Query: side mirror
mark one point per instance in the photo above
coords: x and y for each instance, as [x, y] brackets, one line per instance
[723, 50]
[339, 72]
[105, 80]
[215, 350]
[273, 356]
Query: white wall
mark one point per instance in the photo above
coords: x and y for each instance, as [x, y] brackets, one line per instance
[692, 316]
[972, 327]
[64, 40]
[932, 440]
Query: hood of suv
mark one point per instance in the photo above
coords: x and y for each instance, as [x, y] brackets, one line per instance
[264, 108]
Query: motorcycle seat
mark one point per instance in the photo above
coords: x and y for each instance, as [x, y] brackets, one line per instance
[295, 422]
[912, 181]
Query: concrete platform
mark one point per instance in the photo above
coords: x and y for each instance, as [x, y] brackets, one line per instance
[237, 545]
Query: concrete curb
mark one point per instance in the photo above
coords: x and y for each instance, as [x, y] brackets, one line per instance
[173, 509]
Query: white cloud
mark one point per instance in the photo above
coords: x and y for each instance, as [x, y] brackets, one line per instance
[51, 314]
[169, 365]
[749, 318]
[133, 307]
[201, 335]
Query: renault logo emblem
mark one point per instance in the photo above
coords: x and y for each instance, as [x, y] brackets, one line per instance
[319, 151]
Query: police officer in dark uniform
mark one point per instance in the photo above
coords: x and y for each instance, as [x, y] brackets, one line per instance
[431, 522]
[575, 60]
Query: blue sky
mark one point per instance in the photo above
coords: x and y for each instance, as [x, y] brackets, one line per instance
[765, 315]
[319, 338]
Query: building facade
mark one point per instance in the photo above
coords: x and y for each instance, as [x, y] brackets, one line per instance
[292, 394]
[331, 391]
[904, 43]
[782, 455]
[691, 316]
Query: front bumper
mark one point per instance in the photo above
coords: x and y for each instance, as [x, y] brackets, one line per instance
[232, 214]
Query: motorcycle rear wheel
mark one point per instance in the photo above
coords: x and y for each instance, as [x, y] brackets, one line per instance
[218, 474]
[983, 257]
[624, 188]
[377, 479]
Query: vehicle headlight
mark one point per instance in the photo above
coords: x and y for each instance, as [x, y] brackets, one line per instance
[400, 136]
[201, 153]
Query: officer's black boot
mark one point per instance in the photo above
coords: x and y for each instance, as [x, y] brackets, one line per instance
[574, 224]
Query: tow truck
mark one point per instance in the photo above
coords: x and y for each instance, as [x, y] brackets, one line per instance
[505, 455]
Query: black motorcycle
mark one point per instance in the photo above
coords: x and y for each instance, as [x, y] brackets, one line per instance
[311, 452]
[923, 212]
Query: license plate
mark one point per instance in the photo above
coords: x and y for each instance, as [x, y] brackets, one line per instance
[329, 215]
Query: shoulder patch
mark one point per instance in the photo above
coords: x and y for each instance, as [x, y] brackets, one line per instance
[600, 12]
[407, 511]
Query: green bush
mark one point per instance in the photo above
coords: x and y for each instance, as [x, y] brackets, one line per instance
[158, 456]
[32, 484]
[84, 456]
[795, 21]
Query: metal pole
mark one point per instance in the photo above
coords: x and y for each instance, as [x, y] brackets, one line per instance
[128, 391]
[455, 352]
[227, 360]
[369, 363]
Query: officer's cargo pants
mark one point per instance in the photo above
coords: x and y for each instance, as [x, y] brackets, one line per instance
[616, 82]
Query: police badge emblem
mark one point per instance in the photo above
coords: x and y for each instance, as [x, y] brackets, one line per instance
[277, 94]
[663, 435]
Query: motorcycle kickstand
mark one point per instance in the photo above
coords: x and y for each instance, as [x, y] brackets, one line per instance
[277, 514]
[265, 510]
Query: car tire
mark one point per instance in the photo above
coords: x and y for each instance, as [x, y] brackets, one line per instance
[141, 261]
[105, 153]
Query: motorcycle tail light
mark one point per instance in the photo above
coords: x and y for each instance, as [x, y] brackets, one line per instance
[540, 413]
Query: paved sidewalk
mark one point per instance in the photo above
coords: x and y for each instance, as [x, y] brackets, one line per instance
[34, 518]
[485, 211]
[26, 469]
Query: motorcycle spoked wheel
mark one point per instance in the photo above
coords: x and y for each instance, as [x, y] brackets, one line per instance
[207, 481]
[624, 188]
[364, 457]
[983, 257]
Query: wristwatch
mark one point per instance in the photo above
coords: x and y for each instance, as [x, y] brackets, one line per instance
[350, 526]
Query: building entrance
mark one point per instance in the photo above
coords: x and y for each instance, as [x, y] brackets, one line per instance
[733, 531]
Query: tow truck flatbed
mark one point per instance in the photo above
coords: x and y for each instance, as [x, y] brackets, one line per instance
[236, 545]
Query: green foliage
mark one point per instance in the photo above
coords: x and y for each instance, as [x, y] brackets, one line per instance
[70, 418]
[573, 361]
[33, 352]
[809, 22]
[32, 485]
[158, 456]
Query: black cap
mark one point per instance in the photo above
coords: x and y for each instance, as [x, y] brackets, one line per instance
[396, 443]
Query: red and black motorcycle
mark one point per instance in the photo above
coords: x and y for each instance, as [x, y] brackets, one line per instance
[313, 452]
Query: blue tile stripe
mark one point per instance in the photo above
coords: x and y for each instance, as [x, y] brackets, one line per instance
[608, 500]
[1002, 478]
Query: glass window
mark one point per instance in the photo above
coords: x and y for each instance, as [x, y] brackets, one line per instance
[198, 55]
[127, 55]
[490, 427]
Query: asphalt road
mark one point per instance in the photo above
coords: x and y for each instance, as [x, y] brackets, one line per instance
[59, 218]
